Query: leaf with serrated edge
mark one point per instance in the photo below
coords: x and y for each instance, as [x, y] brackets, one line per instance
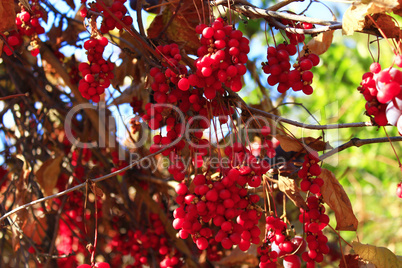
[337, 199]
[289, 187]
[380, 256]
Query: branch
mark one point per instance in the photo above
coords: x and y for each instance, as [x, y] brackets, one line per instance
[271, 15]
[82, 185]
[302, 125]
[357, 143]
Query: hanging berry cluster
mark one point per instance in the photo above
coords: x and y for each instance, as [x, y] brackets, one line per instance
[144, 245]
[314, 218]
[14, 40]
[382, 91]
[108, 22]
[221, 59]
[279, 243]
[97, 72]
[28, 24]
[279, 68]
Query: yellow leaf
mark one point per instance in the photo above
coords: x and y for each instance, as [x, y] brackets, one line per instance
[380, 256]
[337, 199]
[354, 17]
[320, 43]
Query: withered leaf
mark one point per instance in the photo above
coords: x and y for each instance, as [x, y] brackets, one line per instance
[239, 257]
[299, 145]
[289, 187]
[354, 261]
[320, 43]
[71, 4]
[380, 256]
[337, 199]
[7, 14]
[96, 190]
[181, 29]
[384, 22]
[48, 174]
[354, 17]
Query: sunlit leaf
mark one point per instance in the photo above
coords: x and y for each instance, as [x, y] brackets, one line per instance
[380, 256]
[354, 17]
[320, 43]
[335, 196]
[48, 174]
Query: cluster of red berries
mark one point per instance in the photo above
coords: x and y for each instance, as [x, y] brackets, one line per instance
[382, 92]
[136, 104]
[399, 190]
[141, 245]
[314, 218]
[28, 24]
[71, 226]
[108, 22]
[97, 73]
[278, 66]
[221, 59]
[14, 40]
[224, 200]
[278, 243]
[120, 11]
[295, 38]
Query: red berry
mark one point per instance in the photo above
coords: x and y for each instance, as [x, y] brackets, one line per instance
[375, 67]
[399, 190]
[202, 243]
[102, 265]
[183, 84]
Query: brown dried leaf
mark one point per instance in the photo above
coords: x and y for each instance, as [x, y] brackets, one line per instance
[96, 190]
[379, 256]
[182, 28]
[35, 227]
[70, 35]
[289, 187]
[320, 43]
[48, 174]
[71, 4]
[337, 199]
[354, 17]
[7, 15]
[298, 145]
[384, 22]
[238, 257]
[353, 261]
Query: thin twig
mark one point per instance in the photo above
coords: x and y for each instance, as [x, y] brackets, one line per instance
[13, 96]
[280, 119]
[357, 143]
[40, 200]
